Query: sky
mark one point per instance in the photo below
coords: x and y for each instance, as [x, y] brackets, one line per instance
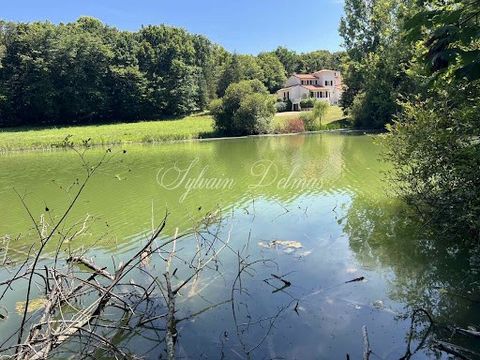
[243, 26]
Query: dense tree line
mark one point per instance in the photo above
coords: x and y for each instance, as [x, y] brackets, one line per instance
[415, 67]
[86, 71]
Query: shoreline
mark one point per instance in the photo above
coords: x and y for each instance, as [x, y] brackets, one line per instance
[155, 143]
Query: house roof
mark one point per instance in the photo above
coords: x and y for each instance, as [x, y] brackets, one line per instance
[308, 87]
[305, 76]
[288, 87]
[313, 87]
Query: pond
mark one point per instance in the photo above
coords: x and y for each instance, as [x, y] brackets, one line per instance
[332, 250]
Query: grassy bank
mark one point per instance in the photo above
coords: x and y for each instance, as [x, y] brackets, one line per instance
[334, 119]
[190, 127]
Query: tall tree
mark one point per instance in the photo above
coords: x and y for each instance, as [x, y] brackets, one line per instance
[232, 72]
[273, 72]
[376, 60]
[288, 58]
[433, 143]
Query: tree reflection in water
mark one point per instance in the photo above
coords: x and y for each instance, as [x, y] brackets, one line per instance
[434, 271]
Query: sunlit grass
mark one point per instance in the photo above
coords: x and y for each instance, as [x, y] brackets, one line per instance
[190, 127]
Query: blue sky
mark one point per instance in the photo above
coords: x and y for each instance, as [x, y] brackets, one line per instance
[244, 26]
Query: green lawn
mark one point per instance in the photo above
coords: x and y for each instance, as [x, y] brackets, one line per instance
[190, 127]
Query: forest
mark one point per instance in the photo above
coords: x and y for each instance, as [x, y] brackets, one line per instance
[88, 72]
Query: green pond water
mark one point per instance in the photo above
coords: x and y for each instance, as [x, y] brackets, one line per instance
[325, 192]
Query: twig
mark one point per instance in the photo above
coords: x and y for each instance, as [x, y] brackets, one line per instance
[91, 266]
[366, 344]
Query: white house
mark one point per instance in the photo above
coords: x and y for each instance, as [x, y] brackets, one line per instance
[323, 85]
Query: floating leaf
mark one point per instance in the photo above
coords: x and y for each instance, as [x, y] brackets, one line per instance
[145, 258]
[264, 245]
[304, 253]
[287, 244]
[33, 305]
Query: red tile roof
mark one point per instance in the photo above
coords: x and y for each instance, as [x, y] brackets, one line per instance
[308, 87]
[305, 76]
[313, 87]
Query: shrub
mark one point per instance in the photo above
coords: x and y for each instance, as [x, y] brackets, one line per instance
[436, 156]
[307, 103]
[289, 105]
[320, 109]
[247, 108]
[309, 121]
[294, 126]
[372, 110]
[281, 106]
[216, 106]
[255, 114]
[313, 119]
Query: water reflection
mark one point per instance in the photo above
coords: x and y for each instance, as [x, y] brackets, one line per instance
[435, 271]
[346, 227]
[122, 194]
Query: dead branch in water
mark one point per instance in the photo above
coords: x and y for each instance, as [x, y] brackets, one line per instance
[89, 295]
[413, 319]
[468, 332]
[366, 344]
[91, 266]
[78, 304]
[455, 350]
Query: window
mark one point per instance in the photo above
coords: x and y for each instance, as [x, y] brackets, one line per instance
[331, 82]
[321, 94]
[326, 83]
[311, 94]
[302, 82]
[288, 95]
